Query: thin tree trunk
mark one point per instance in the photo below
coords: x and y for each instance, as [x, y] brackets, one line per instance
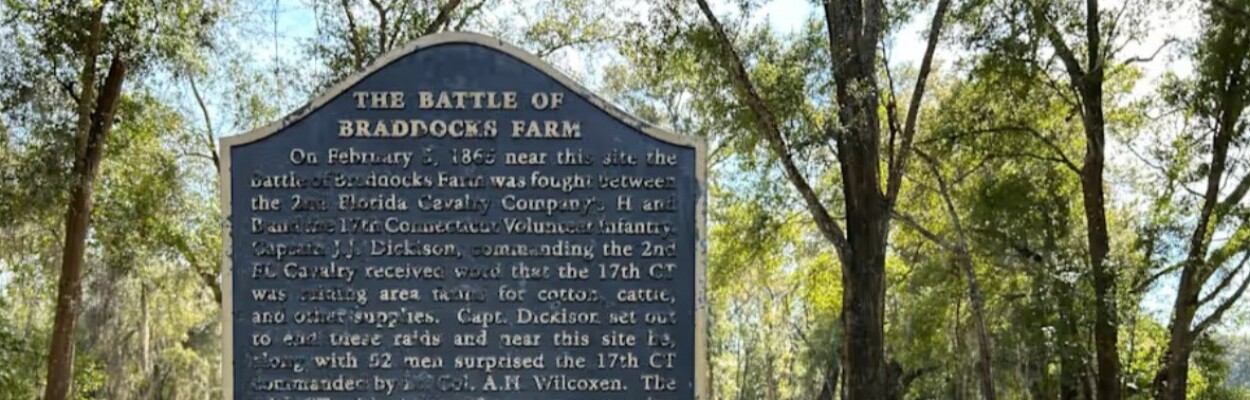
[843, 394]
[744, 360]
[145, 329]
[77, 220]
[830, 389]
[959, 349]
[963, 258]
[770, 375]
[1069, 353]
[984, 364]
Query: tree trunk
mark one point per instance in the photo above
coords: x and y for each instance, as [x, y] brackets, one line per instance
[145, 330]
[77, 220]
[985, 359]
[842, 393]
[964, 260]
[833, 372]
[1070, 354]
[1106, 317]
[896, 387]
[1106, 313]
[1173, 380]
[863, 277]
[957, 347]
[829, 389]
[854, 35]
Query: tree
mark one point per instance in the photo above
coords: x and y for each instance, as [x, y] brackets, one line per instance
[854, 32]
[1087, 84]
[990, 220]
[1037, 41]
[1214, 102]
[989, 287]
[959, 247]
[104, 42]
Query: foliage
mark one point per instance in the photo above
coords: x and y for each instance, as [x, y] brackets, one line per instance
[1000, 120]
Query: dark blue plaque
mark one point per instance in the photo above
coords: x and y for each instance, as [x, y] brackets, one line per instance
[460, 221]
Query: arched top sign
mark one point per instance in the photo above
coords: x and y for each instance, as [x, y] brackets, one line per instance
[462, 221]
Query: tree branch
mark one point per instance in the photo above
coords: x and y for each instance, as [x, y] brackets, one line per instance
[543, 53]
[353, 35]
[1039, 157]
[473, 9]
[1200, 238]
[1093, 37]
[1228, 8]
[404, 14]
[1237, 243]
[767, 124]
[1056, 40]
[911, 222]
[87, 79]
[1163, 171]
[1227, 304]
[959, 178]
[1228, 279]
[891, 110]
[444, 15]
[208, 277]
[1145, 284]
[68, 87]
[951, 210]
[1152, 55]
[899, 165]
[209, 134]
[191, 154]
[1235, 197]
[382, 25]
[1062, 157]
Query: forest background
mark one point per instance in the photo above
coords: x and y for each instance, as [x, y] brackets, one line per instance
[1064, 213]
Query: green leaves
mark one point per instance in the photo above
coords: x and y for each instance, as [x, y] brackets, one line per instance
[1002, 120]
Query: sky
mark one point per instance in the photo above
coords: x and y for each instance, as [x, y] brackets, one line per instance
[293, 20]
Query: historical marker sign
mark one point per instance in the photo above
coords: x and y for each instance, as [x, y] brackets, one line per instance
[462, 222]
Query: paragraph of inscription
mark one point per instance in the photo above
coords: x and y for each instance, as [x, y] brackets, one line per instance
[463, 245]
